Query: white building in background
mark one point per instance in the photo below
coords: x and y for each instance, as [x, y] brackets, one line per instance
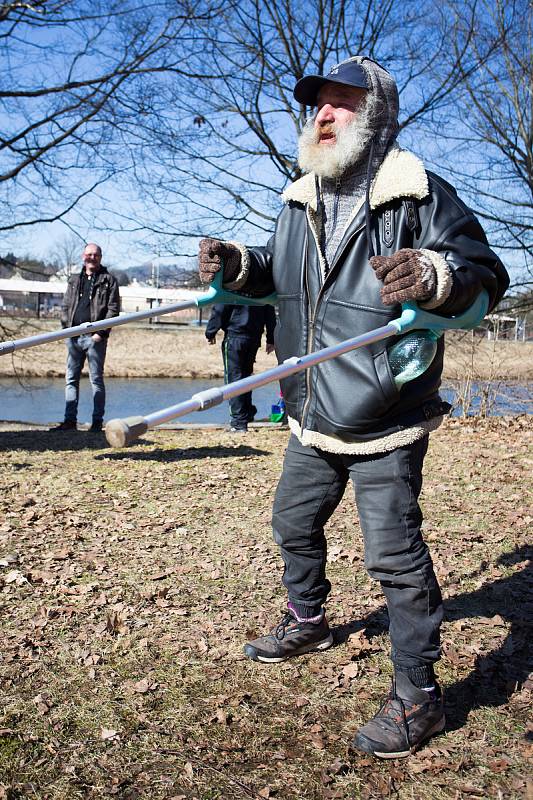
[44, 298]
[503, 326]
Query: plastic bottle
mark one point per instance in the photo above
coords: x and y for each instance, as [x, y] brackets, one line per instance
[411, 355]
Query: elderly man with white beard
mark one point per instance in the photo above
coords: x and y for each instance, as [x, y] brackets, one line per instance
[365, 229]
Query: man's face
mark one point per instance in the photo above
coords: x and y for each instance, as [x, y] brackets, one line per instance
[337, 106]
[338, 136]
[92, 257]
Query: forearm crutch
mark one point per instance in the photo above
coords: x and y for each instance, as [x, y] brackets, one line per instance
[120, 432]
[215, 294]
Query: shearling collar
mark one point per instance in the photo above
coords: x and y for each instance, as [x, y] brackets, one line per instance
[401, 174]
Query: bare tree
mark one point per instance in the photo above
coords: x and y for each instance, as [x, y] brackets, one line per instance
[66, 67]
[16, 9]
[487, 135]
[67, 253]
[216, 151]
[190, 113]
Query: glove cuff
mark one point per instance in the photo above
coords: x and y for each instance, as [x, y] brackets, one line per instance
[240, 279]
[444, 280]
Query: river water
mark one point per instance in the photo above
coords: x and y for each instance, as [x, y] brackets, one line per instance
[41, 400]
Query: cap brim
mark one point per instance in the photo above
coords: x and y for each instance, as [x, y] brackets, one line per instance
[307, 89]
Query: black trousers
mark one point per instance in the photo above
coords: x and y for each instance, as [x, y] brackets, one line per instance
[239, 354]
[387, 486]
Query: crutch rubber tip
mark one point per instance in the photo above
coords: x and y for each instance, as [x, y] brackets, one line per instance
[120, 432]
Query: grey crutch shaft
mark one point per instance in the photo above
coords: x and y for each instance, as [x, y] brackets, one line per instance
[92, 327]
[120, 432]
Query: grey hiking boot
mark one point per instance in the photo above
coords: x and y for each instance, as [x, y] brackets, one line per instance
[407, 718]
[291, 638]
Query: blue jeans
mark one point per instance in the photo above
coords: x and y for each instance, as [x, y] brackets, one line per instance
[387, 486]
[81, 348]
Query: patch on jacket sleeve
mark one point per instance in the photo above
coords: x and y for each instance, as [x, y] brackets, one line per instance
[388, 227]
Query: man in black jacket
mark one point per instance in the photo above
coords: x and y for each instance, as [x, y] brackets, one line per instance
[91, 295]
[366, 229]
[243, 328]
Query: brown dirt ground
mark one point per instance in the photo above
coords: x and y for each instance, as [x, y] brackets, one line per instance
[183, 352]
[129, 580]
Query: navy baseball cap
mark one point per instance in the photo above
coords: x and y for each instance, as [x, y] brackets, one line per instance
[349, 73]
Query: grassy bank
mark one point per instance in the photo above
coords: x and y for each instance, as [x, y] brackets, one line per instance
[184, 353]
[130, 579]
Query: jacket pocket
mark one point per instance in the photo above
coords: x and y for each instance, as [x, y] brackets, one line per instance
[385, 376]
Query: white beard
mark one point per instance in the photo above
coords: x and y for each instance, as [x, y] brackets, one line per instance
[332, 160]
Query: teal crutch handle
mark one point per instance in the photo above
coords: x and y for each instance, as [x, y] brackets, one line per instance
[217, 294]
[415, 318]
[412, 317]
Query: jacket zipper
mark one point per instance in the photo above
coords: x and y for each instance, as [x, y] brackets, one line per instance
[312, 316]
[310, 331]
[336, 204]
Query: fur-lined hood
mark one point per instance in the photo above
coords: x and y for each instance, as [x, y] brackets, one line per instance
[401, 174]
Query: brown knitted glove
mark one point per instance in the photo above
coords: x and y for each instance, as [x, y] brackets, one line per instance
[213, 254]
[407, 275]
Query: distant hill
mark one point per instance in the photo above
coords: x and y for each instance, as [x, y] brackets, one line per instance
[166, 275]
[30, 269]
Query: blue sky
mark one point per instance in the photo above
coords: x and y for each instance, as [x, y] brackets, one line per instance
[103, 216]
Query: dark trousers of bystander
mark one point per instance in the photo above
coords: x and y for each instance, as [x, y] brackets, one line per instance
[238, 353]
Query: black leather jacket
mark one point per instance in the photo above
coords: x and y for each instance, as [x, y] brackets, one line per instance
[105, 299]
[354, 396]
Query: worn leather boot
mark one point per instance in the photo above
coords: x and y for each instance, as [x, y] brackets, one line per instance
[407, 718]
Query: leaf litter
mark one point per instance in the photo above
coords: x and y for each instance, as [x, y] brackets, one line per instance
[129, 581]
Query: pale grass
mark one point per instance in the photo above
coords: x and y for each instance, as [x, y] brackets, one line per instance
[183, 352]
